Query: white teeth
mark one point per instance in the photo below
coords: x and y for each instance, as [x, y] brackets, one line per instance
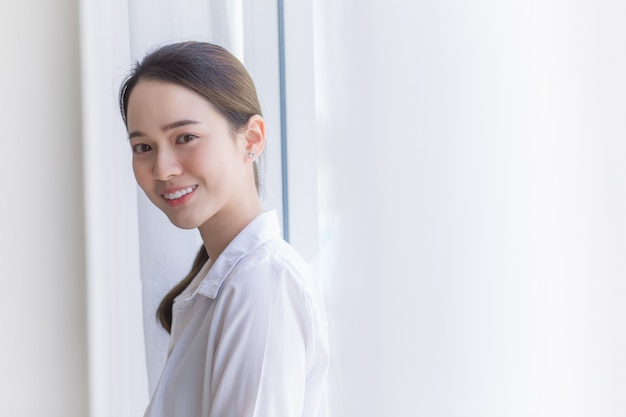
[179, 193]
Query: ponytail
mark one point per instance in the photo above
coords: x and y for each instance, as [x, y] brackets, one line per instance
[164, 312]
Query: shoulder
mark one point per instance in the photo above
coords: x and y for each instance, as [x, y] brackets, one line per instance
[273, 287]
[273, 260]
[270, 270]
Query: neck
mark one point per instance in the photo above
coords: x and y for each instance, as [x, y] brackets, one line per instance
[222, 228]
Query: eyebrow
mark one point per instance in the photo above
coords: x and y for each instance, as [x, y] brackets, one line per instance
[165, 128]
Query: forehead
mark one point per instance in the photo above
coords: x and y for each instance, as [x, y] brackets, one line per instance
[152, 101]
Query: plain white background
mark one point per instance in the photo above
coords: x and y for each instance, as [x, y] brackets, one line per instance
[470, 194]
[472, 197]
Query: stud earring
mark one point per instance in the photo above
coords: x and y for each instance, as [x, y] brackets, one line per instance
[251, 155]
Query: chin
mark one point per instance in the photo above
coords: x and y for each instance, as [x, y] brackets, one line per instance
[184, 223]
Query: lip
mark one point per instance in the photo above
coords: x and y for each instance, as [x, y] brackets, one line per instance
[180, 200]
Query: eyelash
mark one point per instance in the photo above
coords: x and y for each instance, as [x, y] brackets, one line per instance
[189, 136]
[137, 149]
[141, 148]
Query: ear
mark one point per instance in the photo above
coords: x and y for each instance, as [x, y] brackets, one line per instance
[255, 136]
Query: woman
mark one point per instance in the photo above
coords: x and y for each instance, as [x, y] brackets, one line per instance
[248, 328]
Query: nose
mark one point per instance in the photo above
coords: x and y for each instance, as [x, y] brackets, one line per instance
[166, 166]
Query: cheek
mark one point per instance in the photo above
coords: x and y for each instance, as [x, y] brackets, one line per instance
[203, 162]
[142, 173]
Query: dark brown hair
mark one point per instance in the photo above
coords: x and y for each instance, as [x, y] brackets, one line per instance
[214, 73]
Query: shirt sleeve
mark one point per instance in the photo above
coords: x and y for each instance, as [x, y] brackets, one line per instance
[263, 330]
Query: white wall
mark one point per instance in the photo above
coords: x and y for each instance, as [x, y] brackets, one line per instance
[472, 189]
[43, 362]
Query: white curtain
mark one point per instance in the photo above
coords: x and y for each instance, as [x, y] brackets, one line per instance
[117, 377]
[134, 254]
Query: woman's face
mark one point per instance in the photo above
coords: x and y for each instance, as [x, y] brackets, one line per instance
[186, 157]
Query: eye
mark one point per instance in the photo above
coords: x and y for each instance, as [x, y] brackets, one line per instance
[141, 148]
[188, 137]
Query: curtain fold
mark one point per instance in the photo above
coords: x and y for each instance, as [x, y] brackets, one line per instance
[117, 380]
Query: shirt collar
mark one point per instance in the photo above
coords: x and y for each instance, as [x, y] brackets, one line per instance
[260, 230]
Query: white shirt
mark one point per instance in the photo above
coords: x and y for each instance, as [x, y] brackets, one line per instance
[249, 335]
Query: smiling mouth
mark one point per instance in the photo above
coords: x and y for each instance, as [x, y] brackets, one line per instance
[178, 194]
